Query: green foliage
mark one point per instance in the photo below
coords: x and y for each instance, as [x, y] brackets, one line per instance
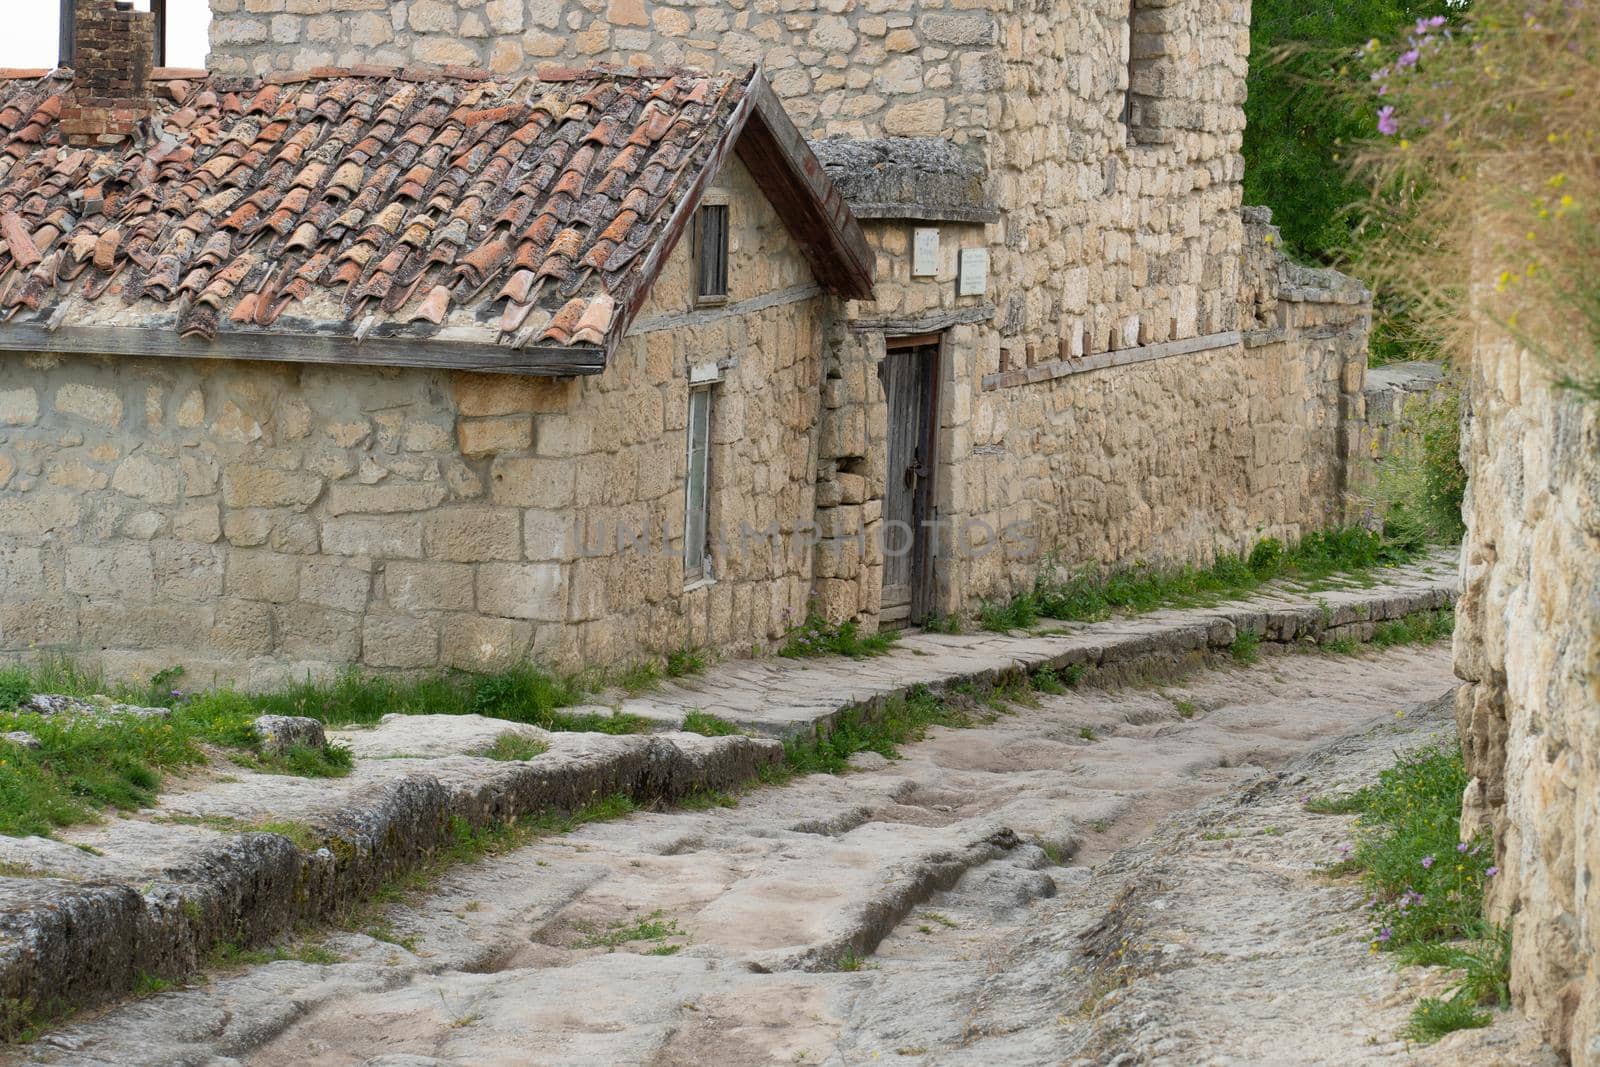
[1433, 1018]
[1019, 613]
[1246, 647]
[84, 764]
[903, 719]
[1267, 557]
[16, 686]
[1304, 113]
[1046, 680]
[1089, 596]
[818, 637]
[654, 927]
[685, 662]
[1421, 481]
[1423, 628]
[700, 722]
[512, 746]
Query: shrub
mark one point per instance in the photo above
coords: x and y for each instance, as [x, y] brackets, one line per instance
[1421, 482]
[1485, 211]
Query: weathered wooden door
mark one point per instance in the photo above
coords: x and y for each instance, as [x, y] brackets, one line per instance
[910, 375]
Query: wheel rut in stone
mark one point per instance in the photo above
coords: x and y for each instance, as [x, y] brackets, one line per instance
[851, 915]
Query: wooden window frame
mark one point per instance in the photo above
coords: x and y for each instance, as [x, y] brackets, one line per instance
[697, 561]
[714, 203]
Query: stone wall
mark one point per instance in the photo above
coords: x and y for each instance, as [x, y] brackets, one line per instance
[1528, 647]
[253, 522]
[1136, 382]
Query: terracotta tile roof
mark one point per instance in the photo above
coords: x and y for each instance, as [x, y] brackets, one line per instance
[361, 203]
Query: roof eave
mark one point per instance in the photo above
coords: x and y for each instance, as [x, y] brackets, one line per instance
[798, 186]
[293, 346]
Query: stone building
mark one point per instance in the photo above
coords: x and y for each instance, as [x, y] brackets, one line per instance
[1076, 345]
[1096, 395]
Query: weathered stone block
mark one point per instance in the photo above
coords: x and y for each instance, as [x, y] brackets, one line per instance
[89, 402]
[472, 535]
[255, 575]
[477, 643]
[522, 590]
[429, 586]
[250, 485]
[399, 641]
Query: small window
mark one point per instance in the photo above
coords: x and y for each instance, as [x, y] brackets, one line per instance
[696, 558]
[1146, 51]
[711, 254]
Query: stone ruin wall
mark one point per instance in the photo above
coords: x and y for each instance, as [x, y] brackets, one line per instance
[1527, 645]
[253, 522]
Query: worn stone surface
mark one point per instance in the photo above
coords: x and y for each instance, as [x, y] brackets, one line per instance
[175, 881]
[931, 868]
[280, 733]
[1527, 644]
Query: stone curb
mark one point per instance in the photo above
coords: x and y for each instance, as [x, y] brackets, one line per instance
[66, 944]
[1165, 652]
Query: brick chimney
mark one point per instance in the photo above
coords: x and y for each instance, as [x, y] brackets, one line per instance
[114, 48]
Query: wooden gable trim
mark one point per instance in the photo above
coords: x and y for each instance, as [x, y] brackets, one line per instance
[800, 190]
[793, 180]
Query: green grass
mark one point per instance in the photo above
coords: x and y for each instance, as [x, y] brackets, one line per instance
[1435, 1017]
[1186, 709]
[1317, 560]
[700, 722]
[685, 662]
[818, 637]
[653, 927]
[1088, 734]
[1246, 647]
[302, 761]
[512, 746]
[229, 956]
[1019, 613]
[1427, 886]
[903, 719]
[1423, 628]
[85, 765]
[1345, 804]
[1047, 680]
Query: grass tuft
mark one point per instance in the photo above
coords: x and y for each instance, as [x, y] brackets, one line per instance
[1435, 1017]
[511, 747]
[818, 637]
[1246, 647]
[700, 722]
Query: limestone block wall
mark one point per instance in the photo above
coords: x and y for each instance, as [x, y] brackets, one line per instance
[1111, 236]
[255, 521]
[1170, 451]
[1527, 645]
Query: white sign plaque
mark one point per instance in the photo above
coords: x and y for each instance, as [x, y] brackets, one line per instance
[974, 279]
[924, 251]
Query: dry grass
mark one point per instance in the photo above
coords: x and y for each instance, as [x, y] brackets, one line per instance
[1486, 213]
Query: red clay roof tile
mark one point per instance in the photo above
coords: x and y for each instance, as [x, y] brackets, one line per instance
[387, 182]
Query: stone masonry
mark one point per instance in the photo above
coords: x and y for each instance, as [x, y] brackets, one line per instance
[1528, 646]
[253, 521]
[1107, 192]
[110, 91]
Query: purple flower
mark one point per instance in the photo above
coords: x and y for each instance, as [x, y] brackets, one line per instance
[1385, 934]
[1491, 872]
[1427, 861]
[1461, 847]
[1387, 124]
[1408, 59]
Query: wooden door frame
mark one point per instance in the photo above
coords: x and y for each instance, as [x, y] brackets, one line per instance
[924, 504]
